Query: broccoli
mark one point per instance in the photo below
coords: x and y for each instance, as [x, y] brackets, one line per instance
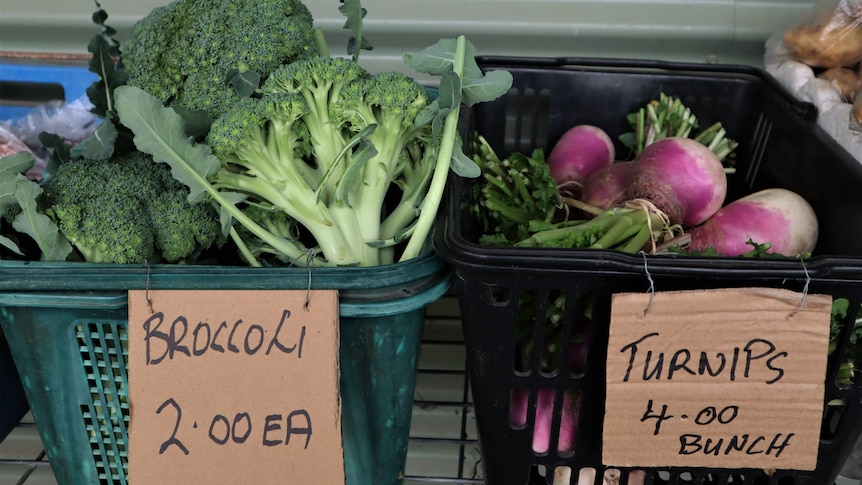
[305, 148]
[128, 209]
[323, 164]
[184, 53]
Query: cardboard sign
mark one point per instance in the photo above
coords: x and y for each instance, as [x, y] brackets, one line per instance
[719, 379]
[234, 387]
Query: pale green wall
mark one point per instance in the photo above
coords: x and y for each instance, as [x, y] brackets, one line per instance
[701, 31]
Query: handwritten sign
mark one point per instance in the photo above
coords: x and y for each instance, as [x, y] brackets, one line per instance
[234, 387]
[721, 378]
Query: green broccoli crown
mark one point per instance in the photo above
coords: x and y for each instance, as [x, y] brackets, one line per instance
[237, 126]
[398, 95]
[315, 75]
[128, 209]
[389, 99]
[182, 52]
[254, 126]
[181, 228]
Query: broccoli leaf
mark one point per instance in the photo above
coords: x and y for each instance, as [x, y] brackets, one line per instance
[10, 245]
[99, 145]
[225, 217]
[52, 243]
[487, 87]
[454, 60]
[449, 96]
[438, 59]
[159, 131]
[10, 173]
[244, 82]
[17, 163]
[352, 9]
[364, 152]
[104, 49]
[464, 166]
[60, 152]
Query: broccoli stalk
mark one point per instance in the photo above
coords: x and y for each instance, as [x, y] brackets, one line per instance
[444, 156]
[331, 112]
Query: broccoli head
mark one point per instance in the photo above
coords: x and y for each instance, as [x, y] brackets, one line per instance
[183, 52]
[128, 209]
[323, 143]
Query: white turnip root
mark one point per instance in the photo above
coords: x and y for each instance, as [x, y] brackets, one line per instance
[544, 415]
[607, 187]
[775, 216]
[683, 178]
[581, 150]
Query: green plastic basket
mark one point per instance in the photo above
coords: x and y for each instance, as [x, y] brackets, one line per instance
[67, 329]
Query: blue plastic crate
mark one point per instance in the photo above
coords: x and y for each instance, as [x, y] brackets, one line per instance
[39, 82]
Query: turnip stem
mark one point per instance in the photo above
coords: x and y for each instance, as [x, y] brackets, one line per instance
[497, 182]
[599, 225]
[637, 242]
[579, 204]
[507, 211]
[616, 233]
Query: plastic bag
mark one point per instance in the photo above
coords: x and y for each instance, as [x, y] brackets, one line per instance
[856, 113]
[845, 80]
[72, 122]
[11, 143]
[830, 35]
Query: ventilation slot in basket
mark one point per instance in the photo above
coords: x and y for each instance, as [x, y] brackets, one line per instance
[104, 348]
[759, 143]
[527, 115]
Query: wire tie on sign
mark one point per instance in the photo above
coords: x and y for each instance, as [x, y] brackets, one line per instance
[147, 288]
[804, 290]
[308, 290]
[651, 284]
[309, 259]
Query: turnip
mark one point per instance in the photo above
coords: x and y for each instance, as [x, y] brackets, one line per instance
[607, 186]
[544, 415]
[779, 217]
[683, 178]
[581, 150]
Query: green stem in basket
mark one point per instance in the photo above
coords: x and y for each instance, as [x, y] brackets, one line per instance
[441, 172]
[461, 82]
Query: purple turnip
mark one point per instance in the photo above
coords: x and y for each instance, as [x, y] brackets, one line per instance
[544, 415]
[581, 150]
[681, 177]
[775, 216]
[607, 186]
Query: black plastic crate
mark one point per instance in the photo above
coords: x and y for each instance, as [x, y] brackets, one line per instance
[780, 145]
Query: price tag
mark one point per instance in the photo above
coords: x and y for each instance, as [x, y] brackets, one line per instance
[719, 378]
[230, 386]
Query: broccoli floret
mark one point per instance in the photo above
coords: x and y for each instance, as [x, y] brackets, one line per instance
[183, 52]
[128, 209]
[319, 81]
[304, 148]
